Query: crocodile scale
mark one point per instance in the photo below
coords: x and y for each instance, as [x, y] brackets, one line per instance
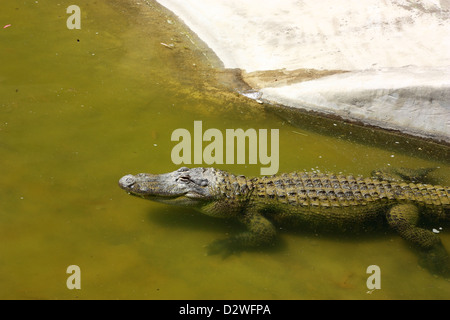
[329, 190]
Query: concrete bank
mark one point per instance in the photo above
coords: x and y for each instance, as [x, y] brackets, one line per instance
[385, 63]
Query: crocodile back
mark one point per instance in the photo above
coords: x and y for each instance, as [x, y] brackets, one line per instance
[329, 190]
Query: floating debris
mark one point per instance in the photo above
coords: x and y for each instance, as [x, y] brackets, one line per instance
[170, 46]
[252, 94]
[436, 230]
[300, 133]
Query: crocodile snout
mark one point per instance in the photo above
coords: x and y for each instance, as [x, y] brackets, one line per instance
[127, 181]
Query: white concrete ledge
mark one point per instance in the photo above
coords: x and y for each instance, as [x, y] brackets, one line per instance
[413, 100]
[397, 52]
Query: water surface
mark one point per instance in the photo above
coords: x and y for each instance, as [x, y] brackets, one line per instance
[81, 108]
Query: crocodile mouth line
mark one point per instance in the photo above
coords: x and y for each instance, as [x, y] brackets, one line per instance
[152, 194]
[147, 193]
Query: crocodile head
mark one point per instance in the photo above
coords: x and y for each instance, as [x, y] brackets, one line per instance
[184, 186]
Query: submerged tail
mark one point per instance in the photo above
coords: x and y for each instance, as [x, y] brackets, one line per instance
[404, 174]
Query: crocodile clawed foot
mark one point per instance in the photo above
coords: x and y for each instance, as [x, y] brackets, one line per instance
[223, 247]
[436, 260]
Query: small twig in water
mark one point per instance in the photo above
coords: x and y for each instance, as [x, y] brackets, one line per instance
[300, 133]
[170, 46]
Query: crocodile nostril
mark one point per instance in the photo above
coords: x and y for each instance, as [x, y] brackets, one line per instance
[127, 181]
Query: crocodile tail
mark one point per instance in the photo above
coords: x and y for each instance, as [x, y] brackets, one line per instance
[419, 175]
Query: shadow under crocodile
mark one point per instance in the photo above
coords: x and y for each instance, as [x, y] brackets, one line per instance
[189, 219]
[436, 261]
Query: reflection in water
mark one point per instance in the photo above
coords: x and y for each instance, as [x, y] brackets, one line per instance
[81, 108]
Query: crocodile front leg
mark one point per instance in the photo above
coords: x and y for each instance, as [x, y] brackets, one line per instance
[260, 232]
[403, 219]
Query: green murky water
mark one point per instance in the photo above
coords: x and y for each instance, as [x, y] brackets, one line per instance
[81, 108]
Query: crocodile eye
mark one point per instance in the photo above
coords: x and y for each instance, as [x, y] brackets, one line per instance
[184, 179]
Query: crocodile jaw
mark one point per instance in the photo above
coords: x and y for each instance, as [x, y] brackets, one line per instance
[182, 187]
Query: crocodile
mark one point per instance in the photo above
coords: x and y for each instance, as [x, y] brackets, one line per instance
[323, 202]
